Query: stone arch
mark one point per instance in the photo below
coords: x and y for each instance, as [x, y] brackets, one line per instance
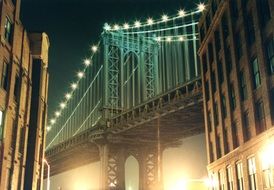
[131, 173]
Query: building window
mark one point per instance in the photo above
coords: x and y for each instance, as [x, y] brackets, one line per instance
[226, 141]
[235, 134]
[8, 30]
[213, 82]
[204, 63]
[1, 124]
[252, 178]
[238, 42]
[243, 87]
[246, 126]
[270, 55]
[217, 41]
[232, 97]
[256, 73]
[225, 26]
[220, 71]
[221, 180]
[234, 10]
[22, 140]
[4, 76]
[202, 33]
[218, 147]
[250, 31]
[213, 7]
[209, 122]
[260, 116]
[206, 91]
[268, 167]
[240, 178]
[16, 92]
[211, 155]
[224, 105]
[228, 60]
[216, 111]
[264, 9]
[229, 178]
[210, 53]
[208, 21]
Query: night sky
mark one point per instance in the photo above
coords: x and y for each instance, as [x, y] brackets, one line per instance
[74, 25]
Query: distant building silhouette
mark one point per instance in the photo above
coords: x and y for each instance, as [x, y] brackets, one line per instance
[237, 56]
[23, 101]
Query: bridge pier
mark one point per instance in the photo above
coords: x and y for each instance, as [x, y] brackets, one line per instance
[113, 158]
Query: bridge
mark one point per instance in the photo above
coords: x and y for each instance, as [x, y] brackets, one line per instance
[138, 93]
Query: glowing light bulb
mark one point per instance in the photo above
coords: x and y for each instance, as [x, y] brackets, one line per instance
[137, 24]
[94, 48]
[126, 26]
[116, 27]
[68, 96]
[181, 39]
[158, 39]
[80, 74]
[57, 113]
[63, 105]
[168, 39]
[87, 62]
[73, 86]
[107, 27]
[150, 21]
[165, 18]
[182, 13]
[48, 128]
[201, 7]
[52, 121]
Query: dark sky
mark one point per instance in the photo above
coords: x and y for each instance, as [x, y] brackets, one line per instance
[74, 25]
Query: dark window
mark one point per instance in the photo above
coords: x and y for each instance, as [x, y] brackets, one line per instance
[218, 147]
[1, 124]
[238, 44]
[260, 116]
[216, 114]
[232, 97]
[14, 2]
[228, 59]
[213, 6]
[210, 53]
[13, 135]
[204, 63]
[220, 71]
[226, 141]
[17, 88]
[256, 73]
[243, 87]
[246, 126]
[8, 30]
[264, 10]
[202, 33]
[235, 135]
[209, 122]
[234, 10]
[22, 140]
[4, 76]
[208, 21]
[217, 41]
[270, 55]
[207, 91]
[225, 26]
[211, 155]
[250, 31]
[224, 105]
[213, 82]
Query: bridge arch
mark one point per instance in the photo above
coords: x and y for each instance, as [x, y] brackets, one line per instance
[131, 173]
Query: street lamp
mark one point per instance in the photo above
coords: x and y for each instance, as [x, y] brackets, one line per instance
[48, 180]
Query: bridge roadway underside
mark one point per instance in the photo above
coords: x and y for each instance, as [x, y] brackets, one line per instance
[162, 128]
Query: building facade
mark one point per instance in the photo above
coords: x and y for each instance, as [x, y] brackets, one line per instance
[23, 100]
[237, 56]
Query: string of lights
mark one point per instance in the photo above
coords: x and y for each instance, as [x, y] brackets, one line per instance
[94, 49]
[68, 96]
[150, 22]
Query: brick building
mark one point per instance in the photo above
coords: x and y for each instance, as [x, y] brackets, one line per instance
[237, 56]
[23, 100]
